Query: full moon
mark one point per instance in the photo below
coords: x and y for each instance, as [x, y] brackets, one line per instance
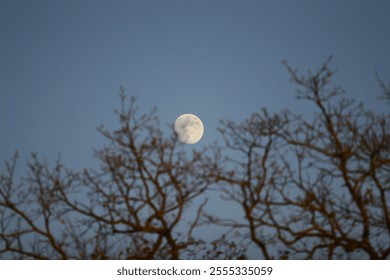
[189, 128]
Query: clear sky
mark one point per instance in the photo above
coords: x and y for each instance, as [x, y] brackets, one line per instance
[62, 62]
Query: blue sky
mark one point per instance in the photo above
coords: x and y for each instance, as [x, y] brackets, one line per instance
[62, 63]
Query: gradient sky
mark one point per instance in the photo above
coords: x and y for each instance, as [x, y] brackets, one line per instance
[62, 63]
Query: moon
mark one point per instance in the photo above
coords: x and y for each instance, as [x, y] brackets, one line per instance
[189, 128]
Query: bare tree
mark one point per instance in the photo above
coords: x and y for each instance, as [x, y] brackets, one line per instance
[309, 187]
[133, 207]
[384, 87]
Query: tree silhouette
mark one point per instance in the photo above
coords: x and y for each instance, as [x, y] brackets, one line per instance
[131, 208]
[310, 187]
